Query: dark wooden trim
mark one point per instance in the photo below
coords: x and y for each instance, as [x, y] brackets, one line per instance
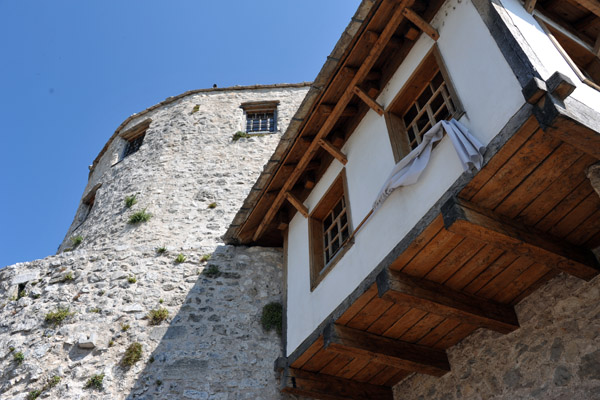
[395, 353]
[374, 105]
[137, 130]
[513, 46]
[396, 130]
[469, 220]
[441, 300]
[421, 24]
[334, 151]
[322, 386]
[298, 205]
[349, 111]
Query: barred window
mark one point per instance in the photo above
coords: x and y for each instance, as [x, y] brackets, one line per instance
[426, 98]
[434, 104]
[260, 122]
[134, 137]
[261, 116]
[133, 145]
[330, 230]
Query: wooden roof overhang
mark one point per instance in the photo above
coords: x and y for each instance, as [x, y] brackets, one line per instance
[372, 51]
[580, 17]
[528, 215]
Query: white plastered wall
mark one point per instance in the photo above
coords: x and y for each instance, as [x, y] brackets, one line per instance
[481, 77]
[550, 59]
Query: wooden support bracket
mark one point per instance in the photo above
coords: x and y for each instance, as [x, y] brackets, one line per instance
[349, 111]
[298, 205]
[421, 23]
[530, 5]
[441, 300]
[398, 354]
[334, 151]
[469, 220]
[367, 99]
[321, 386]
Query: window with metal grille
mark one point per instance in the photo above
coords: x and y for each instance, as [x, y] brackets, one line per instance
[434, 104]
[330, 230]
[426, 98]
[335, 230]
[133, 145]
[134, 137]
[260, 122]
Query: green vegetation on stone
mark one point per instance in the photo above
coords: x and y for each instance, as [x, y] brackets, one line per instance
[132, 355]
[130, 201]
[272, 317]
[180, 258]
[157, 316]
[139, 217]
[57, 317]
[95, 382]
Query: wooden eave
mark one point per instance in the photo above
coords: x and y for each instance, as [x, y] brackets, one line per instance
[528, 215]
[372, 51]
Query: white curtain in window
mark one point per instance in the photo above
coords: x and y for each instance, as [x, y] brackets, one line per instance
[407, 171]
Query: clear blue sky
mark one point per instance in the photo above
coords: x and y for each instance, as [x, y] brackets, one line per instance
[72, 71]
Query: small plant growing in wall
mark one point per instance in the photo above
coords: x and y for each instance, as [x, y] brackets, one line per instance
[76, 241]
[195, 109]
[96, 381]
[212, 205]
[205, 258]
[130, 201]
[272, 317]
[132, 355]
[68, 277]
[239, 135]
[34, 394]
[19, 357]
[139, 217]
[161, 250]
[125, 327]
[180, 258]
[21, 294]
[57, 317]
[212, 271]
[157, 316]
[132, 279]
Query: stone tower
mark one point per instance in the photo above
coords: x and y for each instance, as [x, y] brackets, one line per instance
[177, 170]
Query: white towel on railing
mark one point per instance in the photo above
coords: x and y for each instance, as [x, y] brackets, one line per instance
[407, 171]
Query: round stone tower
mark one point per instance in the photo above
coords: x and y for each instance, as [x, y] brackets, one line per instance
[143, 300]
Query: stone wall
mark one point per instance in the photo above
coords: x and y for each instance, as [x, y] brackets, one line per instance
[212, 345]
[554, 355]
[186, 162]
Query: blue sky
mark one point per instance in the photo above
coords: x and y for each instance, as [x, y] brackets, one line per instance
[72, 71]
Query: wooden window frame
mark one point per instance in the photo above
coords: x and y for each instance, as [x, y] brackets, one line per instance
[258, 107]
[547, 24]
[411, 91]
[318, 268]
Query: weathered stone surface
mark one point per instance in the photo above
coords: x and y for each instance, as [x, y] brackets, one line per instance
[212, 345]
[555, 354]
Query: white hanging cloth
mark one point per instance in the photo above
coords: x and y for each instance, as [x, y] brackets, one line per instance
[407, 171]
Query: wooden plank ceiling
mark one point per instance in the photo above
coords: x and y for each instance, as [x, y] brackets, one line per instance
[529, 214]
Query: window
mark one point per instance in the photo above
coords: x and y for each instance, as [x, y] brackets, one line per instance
[135, 137]
[575, 48]
[261, 116]
[427, 98]
[87, 203]
[330, 230]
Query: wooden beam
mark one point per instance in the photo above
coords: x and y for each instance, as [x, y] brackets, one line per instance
[469, 220]
[395, 353]
[421, 23]
[334, 151]
[309, 180]
[412, 34]
[530, 5]
[591, 5]
[597, 46]
[441, 300]
[298, 205]
[367, 99]
[345, 98]
[349, 111]
[321, 386]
